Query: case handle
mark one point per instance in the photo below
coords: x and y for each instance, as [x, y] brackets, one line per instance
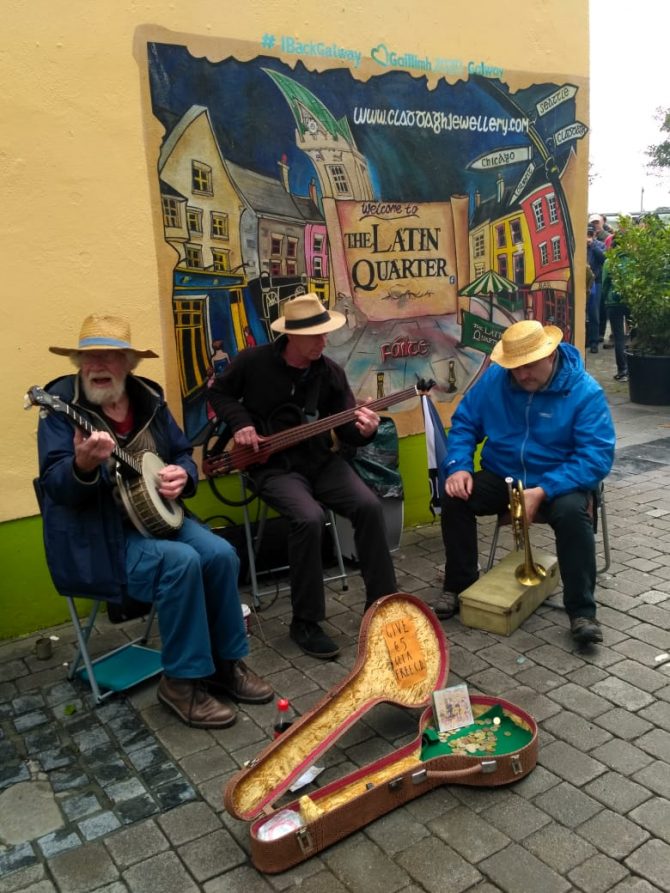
[484, 767]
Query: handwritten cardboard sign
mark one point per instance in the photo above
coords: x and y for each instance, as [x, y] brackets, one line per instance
[405, 652]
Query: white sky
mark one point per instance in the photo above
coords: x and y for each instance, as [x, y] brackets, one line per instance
[630, 79]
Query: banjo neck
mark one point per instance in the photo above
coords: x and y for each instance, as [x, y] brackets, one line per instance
[128, 460]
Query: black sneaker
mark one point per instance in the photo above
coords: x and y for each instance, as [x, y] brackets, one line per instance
[309, 636]
[585, 630]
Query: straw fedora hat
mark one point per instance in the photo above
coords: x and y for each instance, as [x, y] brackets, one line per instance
[306, 315]
[525, 342]
[100, 332]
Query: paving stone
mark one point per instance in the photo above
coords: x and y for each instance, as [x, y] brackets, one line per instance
[580, 700]
[618, 793]
[248, 880]
[657, 743]
[212, 854]
[568, 805]
[397, 830]
[656, 777]
[637, 674]
[58, 842]
[30, 720]
[163, 872]
[587, 676]
[514, 869]
[624, 724]
[83, 869]
[12, 858]
[79, 806]
[136, 808]
[559, 847]
[622, 756]
[634, 885]
[429, 862]
[138, 842]
[615, 835]
[652, 861]
[556, 659]
[623, 694]
[27, 703]
[579, 732]
[207, 763]
[516, 817]
[97, 825]
[657, 714]
[568, 762]
[22, 878]
[13, 774]
[174, 793]
[540, 679]
[467, 833]
[68, 779]
[654, 815]
[125, 790]
[598, 874]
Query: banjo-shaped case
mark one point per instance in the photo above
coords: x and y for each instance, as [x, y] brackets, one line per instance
[402, 658]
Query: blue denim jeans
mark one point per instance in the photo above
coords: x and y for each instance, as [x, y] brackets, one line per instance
[192, 578]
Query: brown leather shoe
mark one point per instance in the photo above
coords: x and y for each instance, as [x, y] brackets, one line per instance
[235, 679]
[193, 705]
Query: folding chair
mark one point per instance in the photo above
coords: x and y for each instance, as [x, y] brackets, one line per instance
[120, 668]
[254, 539]
[597, 507]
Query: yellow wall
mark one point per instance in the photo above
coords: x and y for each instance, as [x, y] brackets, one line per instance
[77, 230]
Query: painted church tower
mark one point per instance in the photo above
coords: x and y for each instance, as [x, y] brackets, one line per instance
[341, 169]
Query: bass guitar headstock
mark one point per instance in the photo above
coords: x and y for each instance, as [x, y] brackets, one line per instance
[424, 386]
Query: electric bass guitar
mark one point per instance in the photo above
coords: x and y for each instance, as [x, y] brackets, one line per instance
[241, 456]
[137, 474]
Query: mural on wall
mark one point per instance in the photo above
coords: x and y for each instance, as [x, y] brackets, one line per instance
[431, 213]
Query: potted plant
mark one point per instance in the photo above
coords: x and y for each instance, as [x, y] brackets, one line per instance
[639, 266]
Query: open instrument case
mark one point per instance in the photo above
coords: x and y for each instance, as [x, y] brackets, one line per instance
[402, 658]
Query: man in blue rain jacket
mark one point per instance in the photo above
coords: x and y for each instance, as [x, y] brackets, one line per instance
[547, 424]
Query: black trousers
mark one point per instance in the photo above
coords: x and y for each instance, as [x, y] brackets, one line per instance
[568, 516]
[300, 499]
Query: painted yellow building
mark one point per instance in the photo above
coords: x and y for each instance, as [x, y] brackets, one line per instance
[83, 218]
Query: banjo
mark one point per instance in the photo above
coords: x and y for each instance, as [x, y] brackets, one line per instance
[241, 456]
[136, 474]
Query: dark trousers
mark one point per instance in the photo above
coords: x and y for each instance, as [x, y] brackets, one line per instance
[593, 315]
[300, 498]
[617, 314]
[568, 516]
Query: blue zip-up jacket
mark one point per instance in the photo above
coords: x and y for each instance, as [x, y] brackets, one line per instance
[561, 438]
[84, 532]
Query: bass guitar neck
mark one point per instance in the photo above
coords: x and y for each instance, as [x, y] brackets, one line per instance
[240, 456]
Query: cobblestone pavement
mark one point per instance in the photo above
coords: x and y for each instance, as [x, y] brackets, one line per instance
[132, 799]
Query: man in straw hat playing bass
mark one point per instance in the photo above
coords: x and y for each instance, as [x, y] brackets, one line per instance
[191, 575]
[547, 423]
[276, 386]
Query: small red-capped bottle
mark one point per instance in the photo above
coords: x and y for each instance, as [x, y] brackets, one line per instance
[284, 716]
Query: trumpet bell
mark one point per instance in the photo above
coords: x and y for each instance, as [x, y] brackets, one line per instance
[530, 576]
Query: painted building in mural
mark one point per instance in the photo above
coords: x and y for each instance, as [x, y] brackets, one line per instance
[431, 218]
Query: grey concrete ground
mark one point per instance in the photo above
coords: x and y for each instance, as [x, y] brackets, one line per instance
[124, 797]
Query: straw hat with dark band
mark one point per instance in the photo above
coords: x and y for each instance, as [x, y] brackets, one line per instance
[525, 342]
[100, 332]
[306, 315]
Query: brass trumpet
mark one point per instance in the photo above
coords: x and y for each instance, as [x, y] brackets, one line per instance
[529, 573]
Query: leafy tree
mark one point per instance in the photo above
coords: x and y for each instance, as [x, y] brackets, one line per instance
[639, 264]
[659, 155]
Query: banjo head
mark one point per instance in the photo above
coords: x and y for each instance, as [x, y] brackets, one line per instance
[148, 510]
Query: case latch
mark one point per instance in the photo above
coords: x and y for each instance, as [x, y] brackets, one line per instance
[515, 763]
[489, 766]
[419, 777]
[305, 841]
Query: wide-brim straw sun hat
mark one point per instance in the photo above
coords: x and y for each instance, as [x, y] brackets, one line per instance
[526, 342]
[306, 315]
[101, 332]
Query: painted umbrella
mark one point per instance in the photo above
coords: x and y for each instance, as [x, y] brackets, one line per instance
[489, 285]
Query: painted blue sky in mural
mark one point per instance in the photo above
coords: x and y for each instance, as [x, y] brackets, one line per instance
[254, 125]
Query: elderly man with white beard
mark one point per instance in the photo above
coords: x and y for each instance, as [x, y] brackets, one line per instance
[191, 574]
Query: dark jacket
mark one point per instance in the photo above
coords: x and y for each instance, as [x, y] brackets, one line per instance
[595, 257]
[84, 526]
[260, 389]
[561, 438]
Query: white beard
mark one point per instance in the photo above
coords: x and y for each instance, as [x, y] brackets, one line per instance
[104, 395]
